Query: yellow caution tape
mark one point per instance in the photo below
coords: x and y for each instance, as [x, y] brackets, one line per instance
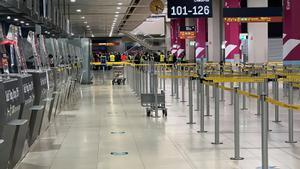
[174, 77]
[247, 94]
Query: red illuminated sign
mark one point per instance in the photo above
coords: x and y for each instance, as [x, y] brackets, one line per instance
[187, 35]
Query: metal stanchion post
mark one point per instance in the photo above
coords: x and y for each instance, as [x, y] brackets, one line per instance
[164, 80]
[176, 85]
[213, 94]
[266, 92]
[222, 93]
[183, 88]
[155, 82]
[160, 80]
[264, 133]
[191, 116]
[217, 115]
[285, 91]
[207, 100]
[147, 80]
[244, 97]
[202, 130]
[231, 94]
[236, 125]
[276, 97]
[259, 91]
[291, 114]
[198, 95]
[249, 88]
[172, 81]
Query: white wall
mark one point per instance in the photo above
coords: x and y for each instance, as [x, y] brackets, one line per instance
[151, 26]
[258, 36]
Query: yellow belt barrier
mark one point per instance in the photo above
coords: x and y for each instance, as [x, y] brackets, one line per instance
[175, 77]
[235, 80]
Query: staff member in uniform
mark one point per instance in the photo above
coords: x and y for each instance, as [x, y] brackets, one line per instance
[112, 57]
[162, 58]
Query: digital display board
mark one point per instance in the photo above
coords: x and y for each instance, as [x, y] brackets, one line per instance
[277, 19]
[253, 12]
[189, 8]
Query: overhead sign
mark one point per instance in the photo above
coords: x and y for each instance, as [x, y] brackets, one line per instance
[253, 12]
[253, 19]
[187, 32]
[189, 8]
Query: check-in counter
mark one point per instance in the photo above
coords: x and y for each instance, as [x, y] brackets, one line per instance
[27, 97]
[40, 90]
[10, 103]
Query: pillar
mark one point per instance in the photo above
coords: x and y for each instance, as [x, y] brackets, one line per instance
[180, 42]
[291, 36]
[232, 34]
[258, 36]
[173, 35]
[214, 38]
[190, 50]
[201, 37]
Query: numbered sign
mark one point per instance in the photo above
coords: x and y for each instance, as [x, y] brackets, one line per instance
[189, 8]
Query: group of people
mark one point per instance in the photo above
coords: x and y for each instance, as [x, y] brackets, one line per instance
[110, 57]
[137, 57]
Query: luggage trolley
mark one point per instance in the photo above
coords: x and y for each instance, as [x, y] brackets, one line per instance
[118, 73]
[148, 101]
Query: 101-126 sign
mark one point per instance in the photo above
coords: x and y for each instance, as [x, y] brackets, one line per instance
[189, 8]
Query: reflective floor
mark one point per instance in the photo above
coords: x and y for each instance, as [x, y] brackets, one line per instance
[109, 130]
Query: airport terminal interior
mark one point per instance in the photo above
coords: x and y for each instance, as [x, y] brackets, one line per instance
[149, 84]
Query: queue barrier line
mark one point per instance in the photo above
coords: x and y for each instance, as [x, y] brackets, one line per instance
[247, 94]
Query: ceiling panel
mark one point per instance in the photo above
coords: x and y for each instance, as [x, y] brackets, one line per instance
[100, 14]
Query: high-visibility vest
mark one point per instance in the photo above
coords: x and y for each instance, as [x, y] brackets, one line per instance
[112, 58]
[162, 58]
[171, 58]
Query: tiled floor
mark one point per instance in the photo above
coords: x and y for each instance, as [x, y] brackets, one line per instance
[83, 138]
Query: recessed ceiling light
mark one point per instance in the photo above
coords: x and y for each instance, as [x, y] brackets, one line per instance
[120, 3]
[88, 26]
[116, 16]
[117, 12]
[22, 22]
[78, 10]
[8, 17]
[118, 7]
[85, 22]
[82, 17]
[27, 24]
[73, 0]
[72, 34]
[16, 19]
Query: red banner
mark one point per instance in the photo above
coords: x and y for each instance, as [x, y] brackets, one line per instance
[291, 36]
[232, 33]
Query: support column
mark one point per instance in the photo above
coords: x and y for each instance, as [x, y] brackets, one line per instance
[214, 39]
[180, 42]
[232, 33]
[173, 35]
[258, 36]
[190, 50]
[291, 36]
[201, 37]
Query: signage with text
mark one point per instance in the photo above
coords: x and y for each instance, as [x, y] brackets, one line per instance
[187, 32]
[189, 8]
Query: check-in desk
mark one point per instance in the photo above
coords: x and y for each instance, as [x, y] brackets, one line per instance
[10, 103]
[40, 90]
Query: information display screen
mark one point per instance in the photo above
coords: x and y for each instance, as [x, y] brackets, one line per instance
[189, 8]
